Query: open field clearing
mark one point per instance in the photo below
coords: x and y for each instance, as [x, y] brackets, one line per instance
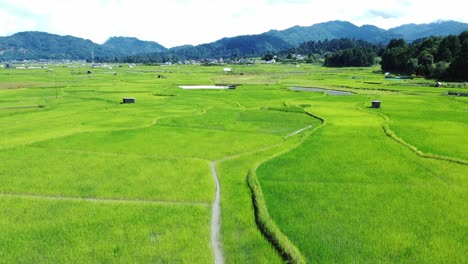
[185, 143]
[435, 128]
[59, 172]
[87, 178]
[45, 231]
[350, 193]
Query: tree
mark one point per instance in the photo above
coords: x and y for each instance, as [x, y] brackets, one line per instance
[351, 57]
[397, 43]
[268, 57]
[458, 69]
[463, 36]
[428, 45]
[359, 57]
[440, 69]
[426, 64]
[411, 65]
[444, 58]
[395, 59]
[311, 58]
[449, 48]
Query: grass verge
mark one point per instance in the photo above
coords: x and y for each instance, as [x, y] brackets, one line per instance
[287, 250]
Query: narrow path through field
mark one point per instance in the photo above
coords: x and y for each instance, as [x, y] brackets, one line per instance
[215, 219]
[216, 209]
[101, 200]
[21, 107]
[298, 131]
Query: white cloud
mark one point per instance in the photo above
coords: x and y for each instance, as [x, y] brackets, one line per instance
[179, 22]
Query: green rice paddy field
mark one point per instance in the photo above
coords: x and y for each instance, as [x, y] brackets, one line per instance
[87, 179]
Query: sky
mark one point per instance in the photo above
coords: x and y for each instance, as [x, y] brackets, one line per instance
[180, 22]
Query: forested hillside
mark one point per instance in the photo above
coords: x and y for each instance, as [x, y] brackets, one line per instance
[437, 57]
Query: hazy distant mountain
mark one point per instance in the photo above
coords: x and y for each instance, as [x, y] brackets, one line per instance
[411, 32]
[274, 40]
[131, 46]
[241, 46]
[40, 45]
[277, 40]
[333, 30]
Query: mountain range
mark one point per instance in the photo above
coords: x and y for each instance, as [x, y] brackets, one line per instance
[41, 45]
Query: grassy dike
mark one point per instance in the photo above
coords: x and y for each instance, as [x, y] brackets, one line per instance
[288, 251]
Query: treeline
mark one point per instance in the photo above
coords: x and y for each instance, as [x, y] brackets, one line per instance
[330, 46]
[357, 57]
[226, 48]
[435, 57]
[342, 52]
[188, 53]
[266, 47]
[160, 57]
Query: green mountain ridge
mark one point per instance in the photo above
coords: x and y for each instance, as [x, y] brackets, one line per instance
[41, 45]
[411, 32]
[131, 45]
[334, 30]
